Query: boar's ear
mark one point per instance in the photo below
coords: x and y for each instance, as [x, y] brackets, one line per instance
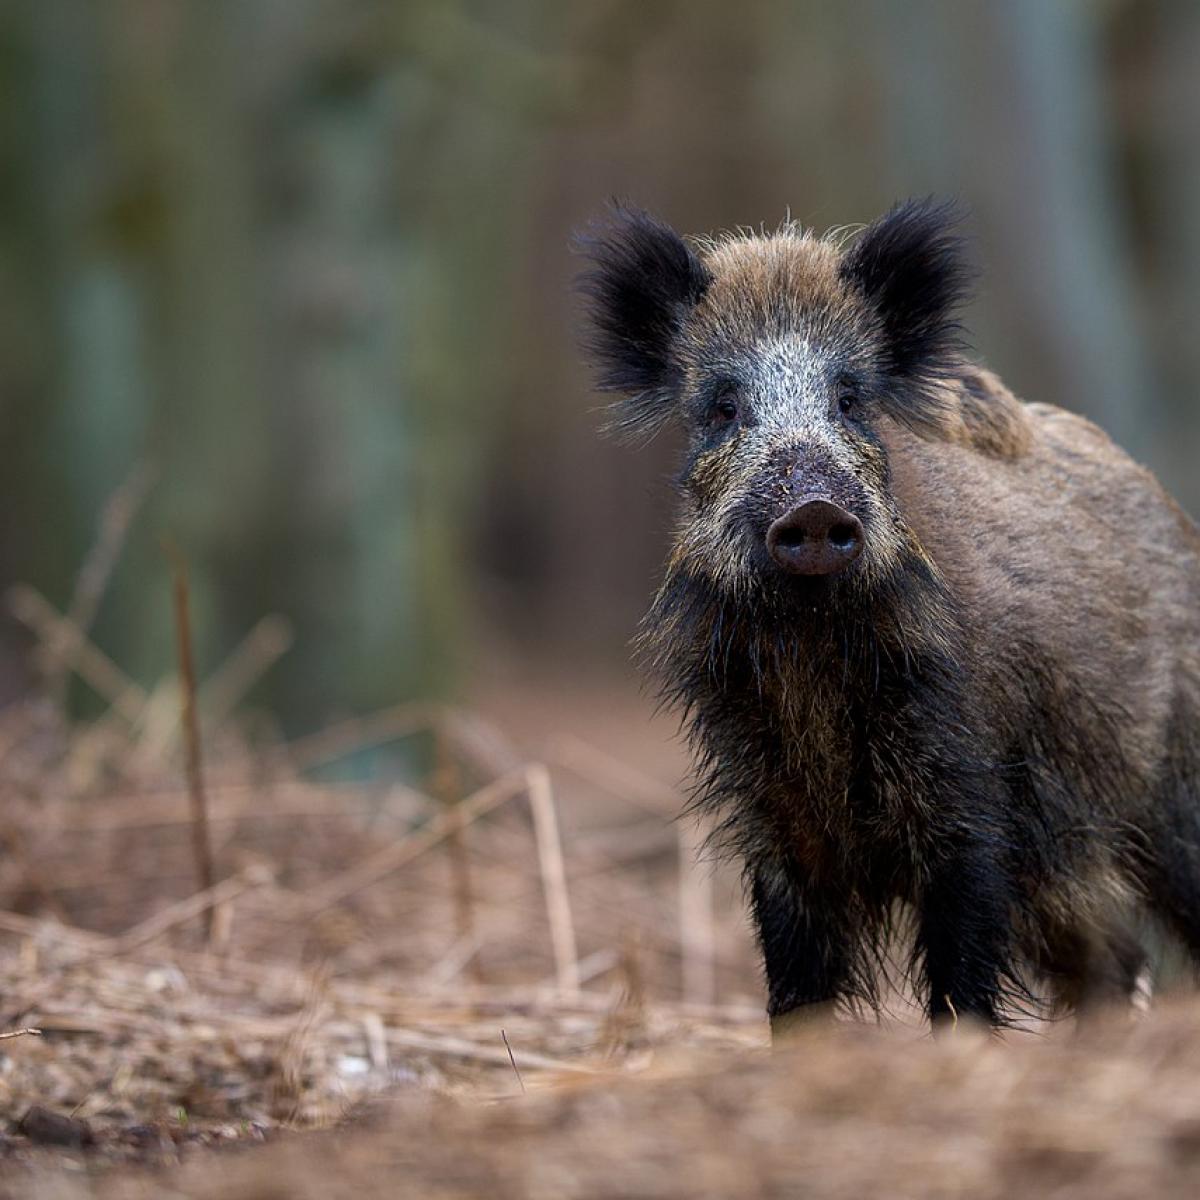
[643, 282]
[910, 266]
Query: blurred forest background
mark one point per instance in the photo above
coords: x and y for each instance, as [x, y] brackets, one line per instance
[306, 263]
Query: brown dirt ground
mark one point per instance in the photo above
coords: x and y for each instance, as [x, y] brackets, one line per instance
[341, 1028]
[1114, 1113]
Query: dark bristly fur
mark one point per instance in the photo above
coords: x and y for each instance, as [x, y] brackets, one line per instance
[909, 266]
[646, 281]
[982, 735]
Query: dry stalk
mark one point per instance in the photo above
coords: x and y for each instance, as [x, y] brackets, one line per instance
[625, 1024]
[592, 967]
[446, 788]
[376, 1037]
[94, 946]
[201, 839]
[512, 1060]
[16, 1033]
[391, 858]
[479, 742]
[554, 878]
[697, 937]
[464, 1048]
[97, 568]
[157, 727]
[36, 927]
[94, 575]
[448, 967]
[152, 807]
[290, 1078]
[261, 648]
[204, 902]
[95, 668]
[474, 739]
[360, 733]
[614, 776]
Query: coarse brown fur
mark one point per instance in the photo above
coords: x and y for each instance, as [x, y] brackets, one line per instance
[985, 729]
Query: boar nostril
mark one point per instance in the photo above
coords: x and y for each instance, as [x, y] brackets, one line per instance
[817, 537]
[843, 536]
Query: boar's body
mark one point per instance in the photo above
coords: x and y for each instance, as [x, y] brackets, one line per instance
[1078, 583]
[972, 708]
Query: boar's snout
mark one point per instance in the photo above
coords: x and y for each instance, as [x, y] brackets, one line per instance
[817, 537]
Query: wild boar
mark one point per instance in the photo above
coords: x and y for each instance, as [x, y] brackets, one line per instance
[938, 650]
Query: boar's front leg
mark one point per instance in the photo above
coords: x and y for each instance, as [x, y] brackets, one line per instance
[804, 945]
[964, 933]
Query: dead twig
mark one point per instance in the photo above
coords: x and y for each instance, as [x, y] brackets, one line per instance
[261, 648]
[446, 787]
[93, 577]
[626, 1021]
[289, 1081]
[95, 668]
[391, 858]
[479, 742]
[201, 839]
[613, 776]
[361, 733]
[697, 937]
[554, 877]
[187, 910]
[148, 808]
[93, 946]
[592, 967]
[16, 1033]
[462, 1048]
[376, 1036]
[512, 1060]
[476, 740]
[447, 968]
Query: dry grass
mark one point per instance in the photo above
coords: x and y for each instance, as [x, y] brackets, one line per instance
[511, 979]
[335, 993]
[515, 922]
[863, 1114]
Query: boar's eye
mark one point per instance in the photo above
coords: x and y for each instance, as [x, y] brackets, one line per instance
[847, 398]
[725, 407]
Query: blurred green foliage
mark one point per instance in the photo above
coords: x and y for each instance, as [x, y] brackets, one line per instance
[308, 258]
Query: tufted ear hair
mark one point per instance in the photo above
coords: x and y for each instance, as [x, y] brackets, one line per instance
[911, 268]
[643, 281]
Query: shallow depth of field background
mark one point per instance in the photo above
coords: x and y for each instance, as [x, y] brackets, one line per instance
[286, 297]
[306, 262]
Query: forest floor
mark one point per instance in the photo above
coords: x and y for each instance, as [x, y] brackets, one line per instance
[859, 1114]
[516, 979]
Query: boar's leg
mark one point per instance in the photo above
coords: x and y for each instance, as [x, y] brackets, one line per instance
[1094, 966]
[805, 947]
[964, 934]
[1171, 873]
